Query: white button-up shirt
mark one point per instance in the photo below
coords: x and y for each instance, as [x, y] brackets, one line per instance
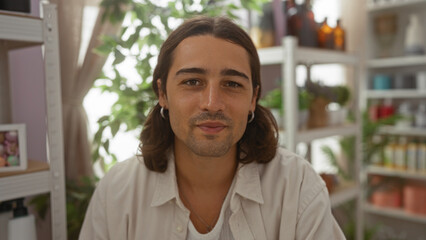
[283, 199]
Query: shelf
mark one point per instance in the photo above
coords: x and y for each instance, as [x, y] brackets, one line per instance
[344, 193]
[391, 130]
[395, 213]
[24, 185]
[34, 180]
[404, 61]
[398, 93]
[20, 31]
[317, 133]
[33, 166]
[394, 5]
[304, 55]
[395, 173]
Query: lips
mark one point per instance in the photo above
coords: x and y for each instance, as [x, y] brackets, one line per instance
[211, 127]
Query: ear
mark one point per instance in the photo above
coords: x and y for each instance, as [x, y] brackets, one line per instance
[162, 97]
[253, 100]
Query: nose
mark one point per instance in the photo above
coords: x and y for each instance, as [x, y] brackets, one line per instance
[212, 99]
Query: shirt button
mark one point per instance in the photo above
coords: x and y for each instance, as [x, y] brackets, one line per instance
[179, 228]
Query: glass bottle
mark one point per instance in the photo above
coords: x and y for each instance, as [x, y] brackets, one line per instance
[325, 35]
[414, 40]
[302, 24]
[289, 10]
[262, 30]
[400, 154]
[412, 155]
[389, 153]
[339, 37]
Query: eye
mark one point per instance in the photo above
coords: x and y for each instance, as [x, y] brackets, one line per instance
[233, 84]
[192, 82]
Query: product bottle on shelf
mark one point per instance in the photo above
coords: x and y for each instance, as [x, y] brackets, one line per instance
[262, 29]
[400, 159]
[325, 35]
[412, 155]
[339, 37]
[386, 109]
[373, 110]
[302, 24]
[421, 156]
[22, 226]
[414, 40]
[420, 116]
[404, 110]
[376, 157]
[389, 153]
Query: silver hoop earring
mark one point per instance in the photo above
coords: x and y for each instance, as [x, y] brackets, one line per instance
[162, 113]
[252, 117]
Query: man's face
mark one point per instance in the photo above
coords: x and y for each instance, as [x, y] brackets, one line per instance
[209, 95]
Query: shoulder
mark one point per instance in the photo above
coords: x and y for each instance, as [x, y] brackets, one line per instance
[290, 174]
[124, 176]
[287, 164]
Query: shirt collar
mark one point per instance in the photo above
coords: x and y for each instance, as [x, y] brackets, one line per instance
[247, 183]
[166, 188]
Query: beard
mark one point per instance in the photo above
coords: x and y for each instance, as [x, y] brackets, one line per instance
[210, 145]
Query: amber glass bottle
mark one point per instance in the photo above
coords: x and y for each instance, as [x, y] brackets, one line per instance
[339, 37]
[302, 24]
[325, 36]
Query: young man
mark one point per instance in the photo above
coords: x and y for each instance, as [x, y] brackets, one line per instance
[210, 166]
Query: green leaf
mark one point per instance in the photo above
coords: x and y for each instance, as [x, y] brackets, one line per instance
[103, 119]
[115, 126]
[119, 57]
[103, 49]
[106, 145]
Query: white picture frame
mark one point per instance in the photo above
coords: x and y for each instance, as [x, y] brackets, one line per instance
[13, 147]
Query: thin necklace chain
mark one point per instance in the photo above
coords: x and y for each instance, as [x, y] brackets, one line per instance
[208, 226]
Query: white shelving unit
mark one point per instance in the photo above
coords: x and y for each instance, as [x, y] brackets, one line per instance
[405, 61]
[288, 56]
[19, 31]
[395, 213]
[386, 5]
[420, 132]
[378, 170]
[396, 63]
[380, 94]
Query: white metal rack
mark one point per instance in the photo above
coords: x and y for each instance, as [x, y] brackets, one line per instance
[386, 5]
[394, 64]
[395, 213]
[18, 31]
[396, 173]
[288, 56]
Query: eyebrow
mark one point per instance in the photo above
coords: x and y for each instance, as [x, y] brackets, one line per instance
[233, 72]
[191, 70]
[224, 72]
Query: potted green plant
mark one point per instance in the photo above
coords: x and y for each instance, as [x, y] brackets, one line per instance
[321, 96]
[305, 99]
[337, 109]
[273, 101]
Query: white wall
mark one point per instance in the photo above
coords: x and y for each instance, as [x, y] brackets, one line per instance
[28, 94]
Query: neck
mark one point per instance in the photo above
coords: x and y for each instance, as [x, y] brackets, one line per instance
[199, 174]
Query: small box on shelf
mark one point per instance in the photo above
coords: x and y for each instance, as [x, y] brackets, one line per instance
[13, 150]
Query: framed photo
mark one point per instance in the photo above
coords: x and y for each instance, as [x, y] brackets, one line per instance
[13, 147]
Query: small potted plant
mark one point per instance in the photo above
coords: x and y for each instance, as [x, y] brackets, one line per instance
[305, 99]
[321, 96]
[273, 101]
[337, 111]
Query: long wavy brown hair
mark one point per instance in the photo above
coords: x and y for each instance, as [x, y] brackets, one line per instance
[259, 141]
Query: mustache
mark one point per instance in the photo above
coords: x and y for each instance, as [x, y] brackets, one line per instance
[204, 116]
